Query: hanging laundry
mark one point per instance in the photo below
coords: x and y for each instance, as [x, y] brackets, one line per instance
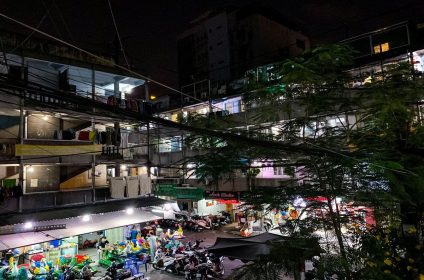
[92, 136]
[9, 183]
[103, 137]
[67, 135]
[84, 135]
[124, 139]
[109, 136]
[117, 134]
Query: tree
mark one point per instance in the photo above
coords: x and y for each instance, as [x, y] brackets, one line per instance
[368, 144]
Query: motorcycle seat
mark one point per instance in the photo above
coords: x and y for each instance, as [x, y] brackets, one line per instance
[179, 256]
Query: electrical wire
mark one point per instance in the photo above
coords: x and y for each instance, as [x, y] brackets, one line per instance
[117, 34]
[63, 21]
[118, 66]
[32, 32]
[102, 59]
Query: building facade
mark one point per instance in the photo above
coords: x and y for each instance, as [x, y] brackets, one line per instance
[222, 45]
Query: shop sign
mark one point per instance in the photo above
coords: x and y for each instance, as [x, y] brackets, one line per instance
[165, 189]
[172, 190]
[222, 195]
[189, 193]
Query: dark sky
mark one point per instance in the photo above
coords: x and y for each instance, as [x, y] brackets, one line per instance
[149, 28]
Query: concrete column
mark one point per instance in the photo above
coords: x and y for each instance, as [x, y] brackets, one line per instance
[116, 91]
[93, 127]
[21, 180]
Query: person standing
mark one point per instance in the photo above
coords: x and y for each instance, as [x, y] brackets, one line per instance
[101, 246]
[153, 244]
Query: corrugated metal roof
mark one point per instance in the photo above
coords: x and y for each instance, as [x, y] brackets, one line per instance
[69, 212]
[76, 226]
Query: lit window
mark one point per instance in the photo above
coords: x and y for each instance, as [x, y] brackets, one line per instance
[381, 48]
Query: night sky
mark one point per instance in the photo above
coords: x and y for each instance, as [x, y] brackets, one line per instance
[149, 28]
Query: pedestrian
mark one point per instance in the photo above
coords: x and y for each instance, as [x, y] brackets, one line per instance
[101, 246]
[151, 238]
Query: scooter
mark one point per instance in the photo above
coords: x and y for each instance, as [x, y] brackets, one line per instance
[216, 266]
[191, 246]
[177, 267]
[162, 262]
[117, 274]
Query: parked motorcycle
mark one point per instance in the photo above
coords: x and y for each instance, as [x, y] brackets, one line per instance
[201, 222]
[180, 261]
[193, 245]
[117, 274]
[162, 262]
[69, 274]
[216, 266]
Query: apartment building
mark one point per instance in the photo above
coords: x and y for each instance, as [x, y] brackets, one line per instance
[64, 137]
[222, 45]
[376, 51]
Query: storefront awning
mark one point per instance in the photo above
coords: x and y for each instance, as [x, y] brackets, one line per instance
[76, 226]
[78, 210]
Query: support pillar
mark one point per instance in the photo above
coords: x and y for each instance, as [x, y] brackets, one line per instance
[93, 127]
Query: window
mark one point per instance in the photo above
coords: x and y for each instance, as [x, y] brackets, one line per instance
[381, 48]
[278, 170]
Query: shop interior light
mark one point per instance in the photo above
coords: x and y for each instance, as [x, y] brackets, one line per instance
[85, 218]
[45, 117]
[158, 211]
[28, 225]
[130, 211]
[30, 169]
[167, 207]
[123, 167]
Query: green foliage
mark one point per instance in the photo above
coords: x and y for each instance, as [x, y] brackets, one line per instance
[369, 145]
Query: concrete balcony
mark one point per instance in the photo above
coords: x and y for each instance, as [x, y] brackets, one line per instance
[54, 199]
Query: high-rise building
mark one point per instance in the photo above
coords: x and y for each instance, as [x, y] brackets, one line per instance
[221, 45]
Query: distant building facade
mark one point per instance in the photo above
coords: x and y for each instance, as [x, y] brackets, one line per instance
[222, 45]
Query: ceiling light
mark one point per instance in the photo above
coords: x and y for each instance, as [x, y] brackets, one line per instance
[30, 169]
[123, 167]
[28, 225]
[45, 117]
[130, 211]
[85, 218]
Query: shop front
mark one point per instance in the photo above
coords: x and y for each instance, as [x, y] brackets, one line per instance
[88, 240]
[217, 202]
[186, 197]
